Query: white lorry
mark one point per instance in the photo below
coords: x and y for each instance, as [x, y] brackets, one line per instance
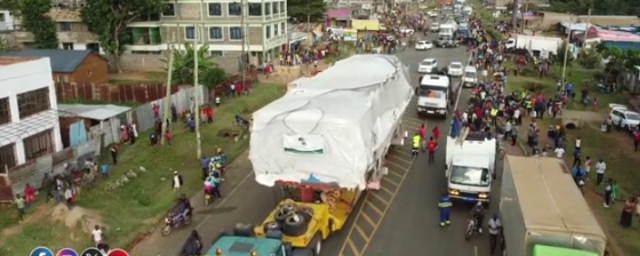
[471, 162]
[544, 213]
[333, 128]
[535, 43]
[433, 95]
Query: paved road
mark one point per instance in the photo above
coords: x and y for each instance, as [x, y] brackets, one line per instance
[400, 219]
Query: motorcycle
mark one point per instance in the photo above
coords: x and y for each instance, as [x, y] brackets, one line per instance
[175, 221]
[471, 228]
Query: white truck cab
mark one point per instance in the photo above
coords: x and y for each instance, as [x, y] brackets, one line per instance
[433, 95]
[470, 166]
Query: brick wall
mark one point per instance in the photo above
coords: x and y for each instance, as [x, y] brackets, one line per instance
[151, 62]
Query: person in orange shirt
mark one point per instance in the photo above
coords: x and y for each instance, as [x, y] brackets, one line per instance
[432, 146]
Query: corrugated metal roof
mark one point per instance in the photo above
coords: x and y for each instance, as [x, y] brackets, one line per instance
[62, 61]
[95, 112]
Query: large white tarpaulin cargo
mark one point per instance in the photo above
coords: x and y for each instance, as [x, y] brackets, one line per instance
[334, 127]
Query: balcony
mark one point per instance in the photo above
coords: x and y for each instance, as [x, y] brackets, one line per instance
[145, 36]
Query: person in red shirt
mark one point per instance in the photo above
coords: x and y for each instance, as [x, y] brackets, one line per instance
[239, 89]
[30, 193]
[210, 115]
[436, 133]
[432, 146]
[636, 140]
[156, 110]
[423, 135]
[168, 137]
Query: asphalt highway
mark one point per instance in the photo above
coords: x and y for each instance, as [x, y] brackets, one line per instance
[400, 219]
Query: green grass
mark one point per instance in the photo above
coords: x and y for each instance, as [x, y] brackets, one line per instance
[136, 207]
[149, 78]
[615, 148]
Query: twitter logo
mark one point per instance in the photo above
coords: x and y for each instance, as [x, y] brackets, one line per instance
[41, 251]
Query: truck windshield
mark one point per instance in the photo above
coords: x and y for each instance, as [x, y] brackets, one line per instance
[433, 92]
[470, 176]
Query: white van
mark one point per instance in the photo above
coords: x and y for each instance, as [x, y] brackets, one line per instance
[433, 95]
[470, 77]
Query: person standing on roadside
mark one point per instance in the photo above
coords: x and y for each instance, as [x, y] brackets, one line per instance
[601, 167]
[114, 153]
[432, 146]
[423, 136]
[494, 229]
[20, 205]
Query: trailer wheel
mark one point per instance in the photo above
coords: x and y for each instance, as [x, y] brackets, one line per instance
[294, 225]
[289, 207]
[282, 214]
[301, 252]
[316, 245]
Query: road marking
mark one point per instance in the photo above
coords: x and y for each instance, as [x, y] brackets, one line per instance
[386, 190]
[375, 208]
[402, 152]
[460, 88]
[353, 248]
[403, 160]
[369, 197]
[413, 120]
[391, 181]
[475, 250]
[224, 200]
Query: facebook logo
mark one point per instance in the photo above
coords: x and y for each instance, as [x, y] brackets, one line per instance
[41, 251]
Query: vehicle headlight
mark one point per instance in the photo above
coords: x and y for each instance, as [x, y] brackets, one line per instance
[483, 195]
[454, 192]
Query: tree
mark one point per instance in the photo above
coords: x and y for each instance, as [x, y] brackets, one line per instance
[561, 54]
[615, 60]
[303, 10]
[35, 20]
[589, 58]
[108, 19]
[209, 74]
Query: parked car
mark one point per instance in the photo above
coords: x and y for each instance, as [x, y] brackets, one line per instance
[423, 45]
[623, 117]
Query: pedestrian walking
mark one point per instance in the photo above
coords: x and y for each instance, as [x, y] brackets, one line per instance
[177, 182]
[444, 204]
[114, 153]
[494, 229]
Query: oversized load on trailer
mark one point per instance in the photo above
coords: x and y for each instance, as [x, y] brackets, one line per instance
[334, 127]
[543, 211]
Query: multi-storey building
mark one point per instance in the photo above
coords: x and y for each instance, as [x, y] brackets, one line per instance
[29, 126]
[6, 21]
[72, 33]
[219, 24]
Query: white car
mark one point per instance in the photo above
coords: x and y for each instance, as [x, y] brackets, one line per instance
[623, 117]
[434, 27]
[406, 30]
[427, 66]
[432, 14]
[423, 45]
[470, 78]
[455, 69]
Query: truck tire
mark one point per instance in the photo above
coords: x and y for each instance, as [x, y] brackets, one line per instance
[306, 212]
[316, 245]
[282, 214]
[294, 225]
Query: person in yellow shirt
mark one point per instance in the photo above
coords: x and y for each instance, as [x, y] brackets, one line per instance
[416, 145]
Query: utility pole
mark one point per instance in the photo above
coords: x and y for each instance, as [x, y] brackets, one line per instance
[167, 103]
[586, 29]
[514, 15]
[566, 54]
[243, 22]
[196, 96]
[523, 23]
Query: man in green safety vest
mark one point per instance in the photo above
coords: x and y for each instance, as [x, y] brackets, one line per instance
[494, 115]
[416, 145]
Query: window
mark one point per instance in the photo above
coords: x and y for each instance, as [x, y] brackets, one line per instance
[190, 33]
[67, 46]
[235, 33]
[169, 11]
[94, 47]
[33, 102]
[275, 29]
[5, 111]
[282, 28]
[2, 17]
[283, 9]
[216, 53]
[38, 145]
[215, 33]
[65, 26]
[276, 8]
[268, 32]
[267, 9]
[255, 9]
[235, 9]
[7, 157]
[215, 9]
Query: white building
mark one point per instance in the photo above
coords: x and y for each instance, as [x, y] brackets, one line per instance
[29, 126]
[6, 21]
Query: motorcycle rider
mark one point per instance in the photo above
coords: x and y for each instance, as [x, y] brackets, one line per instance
[477, 214]
[184, 207]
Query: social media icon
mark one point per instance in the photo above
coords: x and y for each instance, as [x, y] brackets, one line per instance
[67, 252]
[92, 252]
[118, 252]
[41, 251]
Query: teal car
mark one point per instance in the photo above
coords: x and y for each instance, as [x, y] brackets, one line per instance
[250, 246]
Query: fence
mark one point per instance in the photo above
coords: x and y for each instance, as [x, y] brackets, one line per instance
[183, 99]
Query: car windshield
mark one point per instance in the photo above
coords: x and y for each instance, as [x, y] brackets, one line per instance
[633, 116]
[470, 75]
[455, 66]
[428, 62]
[433, 92]
[470, 176]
